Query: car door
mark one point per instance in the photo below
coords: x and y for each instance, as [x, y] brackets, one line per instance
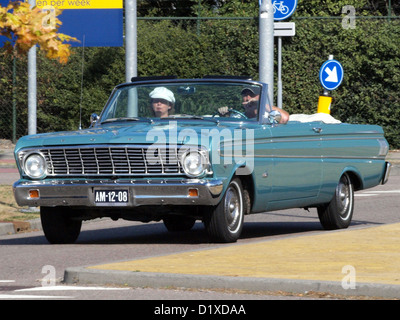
[297, 172]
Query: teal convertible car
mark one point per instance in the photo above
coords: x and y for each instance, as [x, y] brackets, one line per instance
[210, 149]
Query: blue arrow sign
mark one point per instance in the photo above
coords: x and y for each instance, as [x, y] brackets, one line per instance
[283, 9]
[331, 74]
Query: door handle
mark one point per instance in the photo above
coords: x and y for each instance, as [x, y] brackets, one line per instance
[317, 130]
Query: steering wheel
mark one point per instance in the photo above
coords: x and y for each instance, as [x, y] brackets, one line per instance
[230, 110]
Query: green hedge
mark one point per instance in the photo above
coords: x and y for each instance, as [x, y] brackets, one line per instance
[370, 55]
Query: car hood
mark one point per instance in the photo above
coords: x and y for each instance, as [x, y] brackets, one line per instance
[179, 132]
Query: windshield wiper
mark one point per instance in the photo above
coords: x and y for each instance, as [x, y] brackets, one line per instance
[120, 119]
[126, 119]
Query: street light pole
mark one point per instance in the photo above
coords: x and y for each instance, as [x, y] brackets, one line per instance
[266, 26]
[32, 87]
[130, 39]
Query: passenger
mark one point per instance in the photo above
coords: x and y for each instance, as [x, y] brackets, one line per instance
[162, 102]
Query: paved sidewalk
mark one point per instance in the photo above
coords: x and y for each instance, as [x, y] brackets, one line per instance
[358, 262]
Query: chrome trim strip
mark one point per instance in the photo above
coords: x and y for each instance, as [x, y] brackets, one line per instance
[312, 157]
[300, 139]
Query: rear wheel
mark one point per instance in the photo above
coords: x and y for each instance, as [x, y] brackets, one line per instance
[224, 222]
[58, 225]
[339, 212]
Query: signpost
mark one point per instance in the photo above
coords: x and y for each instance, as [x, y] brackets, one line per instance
[269, 11]
[266, 35]
[331, 77]
[283, 9]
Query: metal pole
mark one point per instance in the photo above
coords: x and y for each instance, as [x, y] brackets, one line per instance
[280, 72]
[266, 26]
[14, 102]
[131, 54]
[130, 39]
[326, 92]
[32, 89]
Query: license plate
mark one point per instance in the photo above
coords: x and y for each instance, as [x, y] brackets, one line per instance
[111, 196]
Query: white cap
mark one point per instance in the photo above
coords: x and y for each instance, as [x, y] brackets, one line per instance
[162, 93]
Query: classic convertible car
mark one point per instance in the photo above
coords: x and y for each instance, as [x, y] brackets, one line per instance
[208, 149]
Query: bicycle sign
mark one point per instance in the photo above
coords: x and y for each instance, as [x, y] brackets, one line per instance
[283, 9]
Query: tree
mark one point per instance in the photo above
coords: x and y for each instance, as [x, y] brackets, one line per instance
[27, 27]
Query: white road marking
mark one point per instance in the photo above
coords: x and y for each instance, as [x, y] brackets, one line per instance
[20, 296]
[386, 191]
[68, 288]
[376, 193]
[48, 289]
[7, 281]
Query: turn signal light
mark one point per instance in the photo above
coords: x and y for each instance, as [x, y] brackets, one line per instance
[193, 193]
[33, 194]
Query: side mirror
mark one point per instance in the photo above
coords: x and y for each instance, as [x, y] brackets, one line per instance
[275, 117]
[93, 119]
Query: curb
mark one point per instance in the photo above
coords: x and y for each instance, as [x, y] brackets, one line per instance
[9, 228]
[6, 228]
[82, 275]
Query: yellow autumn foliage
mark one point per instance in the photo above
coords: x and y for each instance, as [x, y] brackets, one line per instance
[27, 27]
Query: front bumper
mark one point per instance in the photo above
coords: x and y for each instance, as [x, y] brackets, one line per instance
[144, 192]
[386, 173]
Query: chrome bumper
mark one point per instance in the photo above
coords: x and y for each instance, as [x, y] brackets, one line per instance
[143, 192]
[386, 173]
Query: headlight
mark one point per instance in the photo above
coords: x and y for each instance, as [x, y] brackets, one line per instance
[35, 166]
[195, 163]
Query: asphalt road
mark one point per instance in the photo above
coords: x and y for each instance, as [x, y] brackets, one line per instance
[30, 268]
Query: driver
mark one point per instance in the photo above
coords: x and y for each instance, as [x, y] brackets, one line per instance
[162, 102]
[250, 97]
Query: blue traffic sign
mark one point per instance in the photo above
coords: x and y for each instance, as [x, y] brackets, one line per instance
[331, 74]
[283, 9]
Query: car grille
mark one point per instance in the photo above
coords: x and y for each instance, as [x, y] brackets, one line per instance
[112, 161]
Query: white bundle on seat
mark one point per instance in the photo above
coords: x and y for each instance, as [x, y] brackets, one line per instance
[324, 117]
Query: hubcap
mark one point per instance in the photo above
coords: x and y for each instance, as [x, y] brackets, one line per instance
[344, 198]
[233, 208]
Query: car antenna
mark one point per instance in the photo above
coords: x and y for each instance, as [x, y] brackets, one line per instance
[83, 68]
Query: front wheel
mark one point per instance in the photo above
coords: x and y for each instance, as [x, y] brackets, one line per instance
[224, 222]
[58, 225]
[339, 212]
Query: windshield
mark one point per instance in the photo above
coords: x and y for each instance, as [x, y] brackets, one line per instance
[214, 101]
